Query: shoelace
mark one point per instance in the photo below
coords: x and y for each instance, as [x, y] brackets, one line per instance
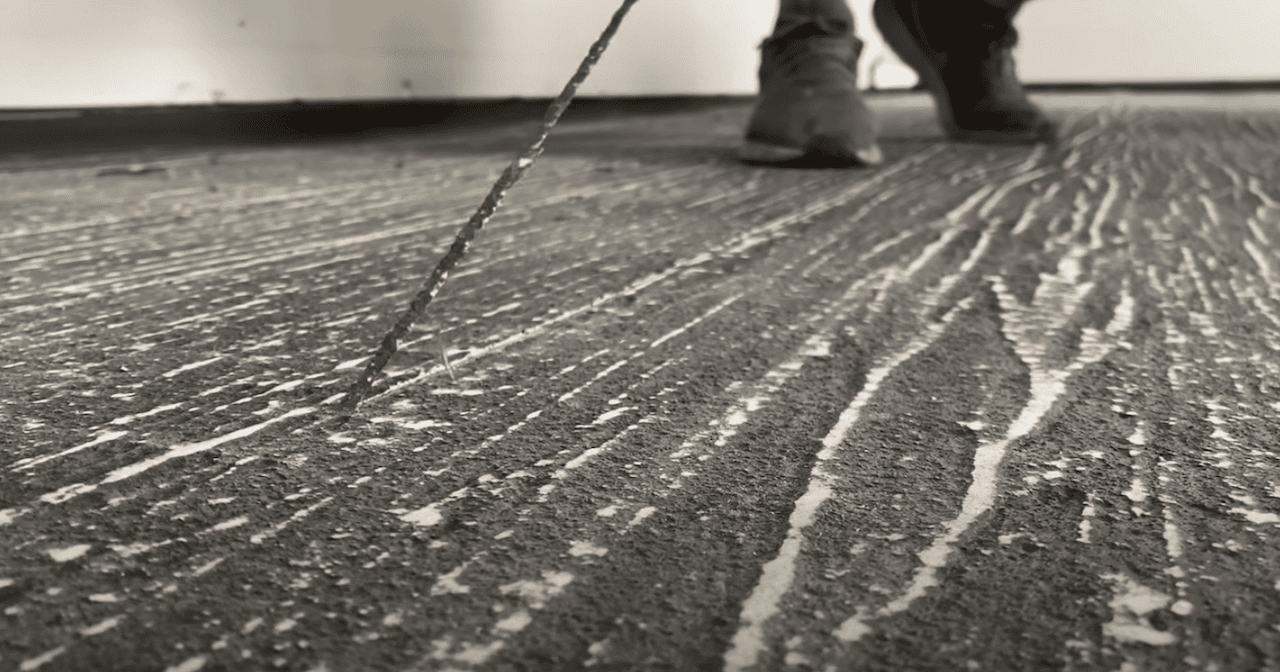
[797, 50]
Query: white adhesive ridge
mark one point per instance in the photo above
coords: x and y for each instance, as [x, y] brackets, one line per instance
[614, 367]
[426, 516]
[137, 548]
[534, 594]
[1257, 517]
[1255, 227]
[580, 548]
[1137, 492]
[184, 450]
[332, 399]
[980, 249]
[101, 627]
[1081, 205]
[515, 622]
[1086, 518]
[736, 245]
[586, 455]
[978, 500]
[191, 664]
[1033, 208]
[954, 217]
[447, 584]
[1202, 321]
[230, 524]
[613, 415]
[502, 309]
[778, 574]
[7, 516]
[224, 263]
[279, 527]
[188, 367]
[1013, 183]
[28, 463]
[432, 513]
[69, 553]
[207, 567]
[351, 364]
[975, 199]
[42, 659]
[124, 420]
[1029, 328]
[1172, 536]
[1255, 186]
[641, 515]
[1100, 217]
[537, 593]
[1264, 265]
[284, 387]
[757, 395]
[1129, 609]
[425, 424]
[954, 222]
[659, 341]
[66, 493]
[676, 332]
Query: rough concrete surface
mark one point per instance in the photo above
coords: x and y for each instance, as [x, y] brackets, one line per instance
[982, 408]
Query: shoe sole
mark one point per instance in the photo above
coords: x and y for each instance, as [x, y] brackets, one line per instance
[819, 150]
[900, 39]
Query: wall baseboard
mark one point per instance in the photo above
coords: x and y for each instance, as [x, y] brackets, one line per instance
[58, 131]
[1171, 87]
[62, 131]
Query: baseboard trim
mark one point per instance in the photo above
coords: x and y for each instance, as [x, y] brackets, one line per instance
[61, 131]
[53, 131]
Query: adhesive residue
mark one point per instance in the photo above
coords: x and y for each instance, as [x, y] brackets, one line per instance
[447, 584]
[189, 665]
[184, 450]
[580, 548]
[22, 465]
[69, 553]
[1130, 608]
[537, 593]
[1029, 328]
[42, 659]
[101, 627]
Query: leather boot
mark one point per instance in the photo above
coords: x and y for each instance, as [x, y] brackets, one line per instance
[962, 51]
[810, 110]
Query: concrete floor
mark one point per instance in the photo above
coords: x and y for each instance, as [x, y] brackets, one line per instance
[982, 408]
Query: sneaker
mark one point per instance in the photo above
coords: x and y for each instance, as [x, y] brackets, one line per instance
[962, 51]
[810, 110]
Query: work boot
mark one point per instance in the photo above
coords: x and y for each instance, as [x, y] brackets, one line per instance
[810, 110]
[962, 51]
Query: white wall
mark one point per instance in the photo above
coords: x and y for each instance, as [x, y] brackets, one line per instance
[127, 52]
[111, 52]
[1138, 40]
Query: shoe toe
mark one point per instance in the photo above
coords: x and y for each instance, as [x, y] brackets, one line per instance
[870, 156]
[829, 150]
[1016, 124]
[834, 128]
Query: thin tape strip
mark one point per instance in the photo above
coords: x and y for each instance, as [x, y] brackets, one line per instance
[360, 388]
